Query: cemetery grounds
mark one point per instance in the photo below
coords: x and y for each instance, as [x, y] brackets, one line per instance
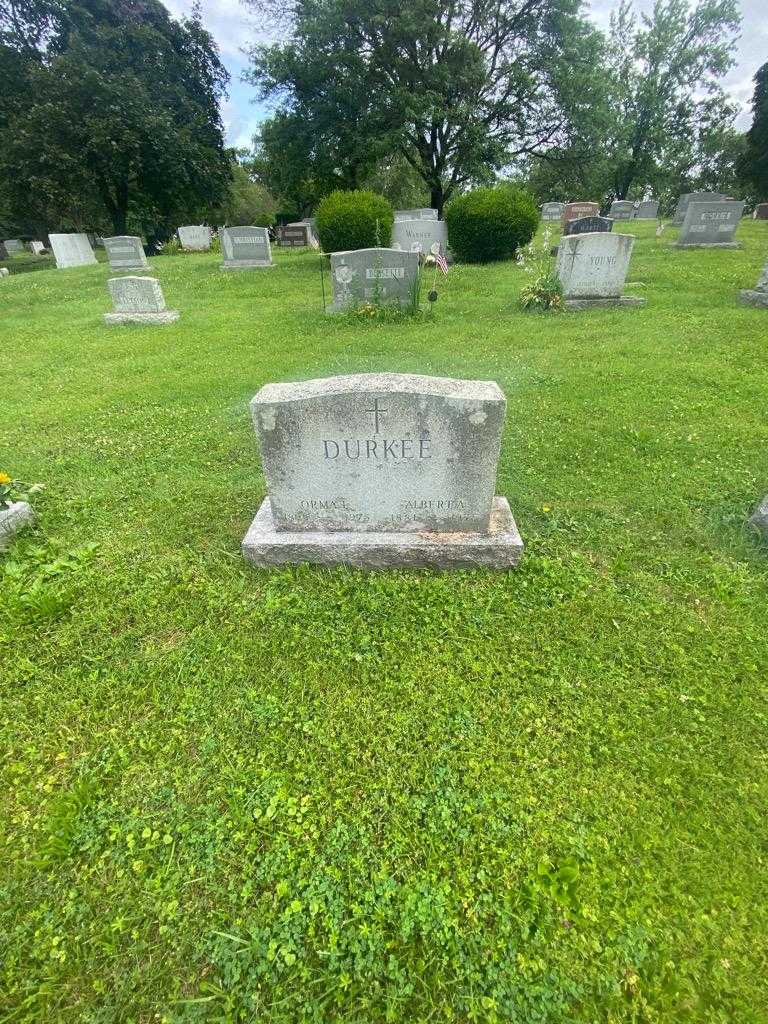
[327, 795]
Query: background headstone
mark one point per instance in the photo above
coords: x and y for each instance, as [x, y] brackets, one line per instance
[72, 250]
[296, 235]
[710, 224]
[622, 209]
[245, 247]
[13, 246]
[381, 469]
[423, 213]
[584, 225]
[757, 296]
[125, 252]
[573, 211]
[3, 251]
[761, 211]
[694, 197]
[369, 275]
[593, 268]
[5, 272]
[195, 237]
[36, 248]
[648, 209]
[420, 235]
[138, 300]
[552, 211]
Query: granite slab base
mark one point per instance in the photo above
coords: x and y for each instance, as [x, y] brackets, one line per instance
[168, 316]
[500, 548]
[12, 519]
[759, 518]
[706, 245]
[750, 297]
[621, 301]
[245, 265]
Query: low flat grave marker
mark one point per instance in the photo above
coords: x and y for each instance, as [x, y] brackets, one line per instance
[388, 276]
[195, 237]
[420, 235]
[125, 252]
[593, 268]
[138, 300]
[245, 247]
[380, 470]
[711, 225]
[72, 250]
[757, 296]
[423, 213]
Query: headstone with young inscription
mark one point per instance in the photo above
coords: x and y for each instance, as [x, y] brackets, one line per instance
[245, 247]
[138, 300]
[195, 237]
[757, 296]
[378, 276]
[125, 252]
[552, 211]
[584, 225]
[573, 211]
[711, 225]
[622, 209]
[422, 213]
[378, 470]
[420, 235]
[593, 268]
[72, 250]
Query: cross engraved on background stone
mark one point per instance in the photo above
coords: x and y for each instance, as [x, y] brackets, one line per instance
[376, 411]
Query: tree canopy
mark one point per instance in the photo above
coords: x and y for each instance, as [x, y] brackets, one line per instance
[754, 163]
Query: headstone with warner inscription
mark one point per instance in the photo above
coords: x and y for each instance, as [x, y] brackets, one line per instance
[420, 235]
[593, 268]
[622, 209]
[378, 276]
[195, 237]
[125, 252]
[757, 296]
[552, 211]
[245, 247]
[573, 211]
[584, 225]
[379, 470]
[422, 213]
[138, 300]
[711, 225]
[72, 250]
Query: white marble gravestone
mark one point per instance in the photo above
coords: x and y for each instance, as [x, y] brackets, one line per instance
[420, 235]
[5, 272]
[383, 276]
[125, 252]
[14, 517]
[73, 250]
[711, 225]
[36, 248]
[13, 246]
[382, 470]
[552, 211]
[195, 237]
[423, 213]
[138, 300]
[757, 296]
[245, 248]
[622, 209]
[593, 268]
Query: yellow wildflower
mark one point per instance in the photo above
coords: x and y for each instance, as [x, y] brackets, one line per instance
[4, 478]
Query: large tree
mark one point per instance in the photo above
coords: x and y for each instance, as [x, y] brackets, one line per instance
[754, 164]
[112, 113]
[458, 88]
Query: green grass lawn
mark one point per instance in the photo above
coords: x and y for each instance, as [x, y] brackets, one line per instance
[324, 795]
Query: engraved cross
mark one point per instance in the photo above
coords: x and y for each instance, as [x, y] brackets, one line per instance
[376, 411]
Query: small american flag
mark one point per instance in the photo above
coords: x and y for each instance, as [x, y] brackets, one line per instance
[442, 262]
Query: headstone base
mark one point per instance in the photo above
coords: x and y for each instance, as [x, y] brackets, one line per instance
[167, 316]
[706, 245]
[621, 300]
[12, 519]
[245, 264]
[749, 297]
[500, 548]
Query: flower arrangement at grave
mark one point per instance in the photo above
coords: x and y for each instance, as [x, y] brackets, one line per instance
[545, 291]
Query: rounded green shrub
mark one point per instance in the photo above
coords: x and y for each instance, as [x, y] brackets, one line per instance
[354, 220]
[490, 223]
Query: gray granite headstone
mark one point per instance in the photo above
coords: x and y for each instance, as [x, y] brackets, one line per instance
[72, 250]
[757, 296]
[125, 252]
[648, 209]
[423, 213]
[295, 236]
[384, 276]
[12, 518]
[420, 235]
[711, 224]
[245, 247]
[195, 237]
[622, 209]
[759, 518]
[694, 197]
[13, 246]
[593, 268]
[761, 212]
[584, 225]
[552, 211]
[138, 300]
[382, 470]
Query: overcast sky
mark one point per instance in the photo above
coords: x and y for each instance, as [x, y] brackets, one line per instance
[232, 27]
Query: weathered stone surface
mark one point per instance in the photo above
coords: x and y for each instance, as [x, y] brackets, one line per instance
[710, 224]
[594, 266]
[420, 235]
[125, 252]
[572, 211]
[297, 235]
[36, 248]
[5, 272]
[757, 296]
[586, 225]
[72, 251]
[622, 209]
[552, 211]
[423, 213]
[694, 197]
[12, 519]
[760, 212]
[195, 237]
[245, 248]
[371, 275]
[759, 518]
[13, 246]
[379, 470]
[138, 300]
[648, 209]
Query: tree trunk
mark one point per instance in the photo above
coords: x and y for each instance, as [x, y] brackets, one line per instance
[437, 199]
